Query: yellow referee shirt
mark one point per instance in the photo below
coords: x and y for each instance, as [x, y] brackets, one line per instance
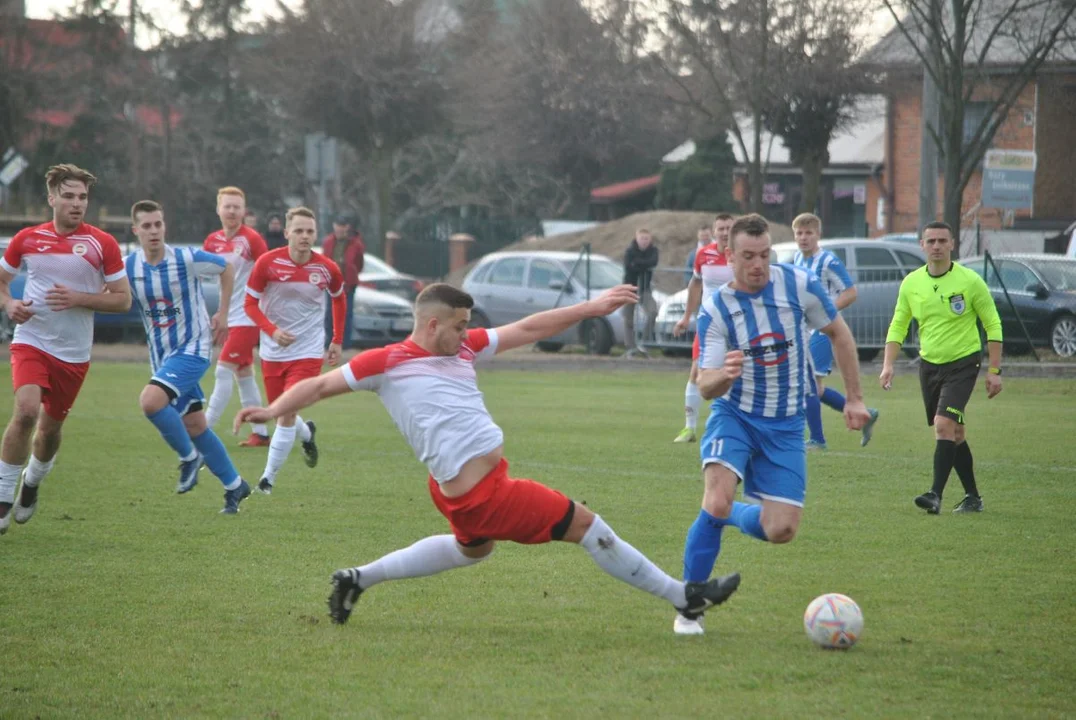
[946, 308]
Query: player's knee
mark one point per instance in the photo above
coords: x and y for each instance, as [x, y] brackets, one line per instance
[780, 532]
[582, 519]
[945, 428]
[195, 423]
[717, 504]
[476, 553]
[24, 415]
[959, 434]
[152, 400]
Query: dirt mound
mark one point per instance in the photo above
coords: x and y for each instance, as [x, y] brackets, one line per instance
[673, 231]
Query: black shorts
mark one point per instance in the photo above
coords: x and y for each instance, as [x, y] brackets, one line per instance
[948, 387]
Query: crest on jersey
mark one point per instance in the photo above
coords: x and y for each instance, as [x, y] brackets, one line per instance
[79, 249]
[956, 304]
[315, 278]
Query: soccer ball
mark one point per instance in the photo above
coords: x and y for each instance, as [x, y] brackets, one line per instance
[833, 621]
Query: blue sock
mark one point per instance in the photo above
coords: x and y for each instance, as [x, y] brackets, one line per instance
[834, 399]
[748, 518]
[170, 425]
[702, 547]
[216, 458]
[814, 419]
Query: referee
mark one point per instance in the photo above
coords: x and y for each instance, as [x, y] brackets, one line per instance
[946, 300]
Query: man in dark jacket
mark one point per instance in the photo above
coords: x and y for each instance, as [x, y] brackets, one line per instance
[346, 248]
[274, 234]
[640, 259]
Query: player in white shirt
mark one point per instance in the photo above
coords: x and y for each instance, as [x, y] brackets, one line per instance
[286, 297]
[711, 270]
[69, 265]
[429, 387]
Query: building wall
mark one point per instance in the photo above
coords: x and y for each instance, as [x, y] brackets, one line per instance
[1053, 122]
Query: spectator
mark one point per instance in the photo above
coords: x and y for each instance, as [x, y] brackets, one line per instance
[346, 248]
[251, 219]
[640, 259]
[274, 235]
[705, 237]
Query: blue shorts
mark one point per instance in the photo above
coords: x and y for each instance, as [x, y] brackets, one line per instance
[179, 377]
[766, 453]
[821, 353]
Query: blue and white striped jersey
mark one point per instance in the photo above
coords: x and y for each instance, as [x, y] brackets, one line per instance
[169, 296]
[768, 327]
[829, 269]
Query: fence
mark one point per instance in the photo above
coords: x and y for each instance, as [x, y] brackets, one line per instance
[423, 247]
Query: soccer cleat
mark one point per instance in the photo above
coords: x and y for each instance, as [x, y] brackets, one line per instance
[5, 519]
[255, 440]
[970, 503]
[26, 504]
[703, 596]
[687, 435]
[188, 474]
[930, 502]
[814, 445]
[345, 594]
[687, 626]
[265, 486]
[868, 429]
[310, 448]
[232, 498]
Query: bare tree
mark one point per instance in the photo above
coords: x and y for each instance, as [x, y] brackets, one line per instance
[983, 49]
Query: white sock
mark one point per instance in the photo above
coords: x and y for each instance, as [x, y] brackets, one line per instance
[302, 429]
[9, 478]
[221, 395]
[279, 448]
[624, 562]
[251, 396]
[692, 400]
[37, 470]
[428, 556]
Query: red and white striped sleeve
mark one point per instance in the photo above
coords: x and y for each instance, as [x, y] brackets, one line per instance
[365, 370]
[483, 342]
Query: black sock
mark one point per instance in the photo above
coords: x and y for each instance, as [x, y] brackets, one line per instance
[962, 463]
[943, 464]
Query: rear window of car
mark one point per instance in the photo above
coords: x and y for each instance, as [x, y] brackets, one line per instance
[876, 264]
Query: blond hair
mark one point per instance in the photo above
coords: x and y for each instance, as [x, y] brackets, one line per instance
[298, 212]
[57, 175]
[230, 190]
[807, 220]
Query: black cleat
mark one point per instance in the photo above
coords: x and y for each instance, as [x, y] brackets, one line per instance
[345, 594]
[970, 503]
[232, 498]
[930, 502]
[265, 487]
[703, 596]
[310, 448]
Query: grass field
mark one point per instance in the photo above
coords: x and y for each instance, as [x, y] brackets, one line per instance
[123, 599]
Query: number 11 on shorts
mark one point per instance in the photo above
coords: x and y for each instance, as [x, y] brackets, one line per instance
[716, 446]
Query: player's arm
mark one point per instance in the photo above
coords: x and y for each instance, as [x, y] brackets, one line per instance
[840, 278]
[546, 324]
[227, 287]
[844, 350]
[302, 395]
[821, 314]
[898, 330]
[986, 310]
[718, 367]
[338, 296]
[18, 310]
[846, 298]
[116, 297]
[694, 298]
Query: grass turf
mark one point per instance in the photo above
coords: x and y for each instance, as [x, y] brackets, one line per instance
[122, 599]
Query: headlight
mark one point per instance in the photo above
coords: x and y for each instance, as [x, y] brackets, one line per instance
[360, 308]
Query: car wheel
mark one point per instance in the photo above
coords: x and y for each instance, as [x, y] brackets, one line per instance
[597, 337]
[479, 320]
[867, 355]
[1063, 336]
[549, 347]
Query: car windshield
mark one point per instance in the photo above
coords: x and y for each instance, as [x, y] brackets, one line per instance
[1059, 274]
[372, 263]
[604, 273]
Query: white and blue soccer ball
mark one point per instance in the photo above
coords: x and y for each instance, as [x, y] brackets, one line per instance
[833, 621]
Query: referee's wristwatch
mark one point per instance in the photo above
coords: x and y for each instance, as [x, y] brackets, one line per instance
[994, 370]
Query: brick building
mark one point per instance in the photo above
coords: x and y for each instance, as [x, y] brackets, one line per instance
[1041, 120]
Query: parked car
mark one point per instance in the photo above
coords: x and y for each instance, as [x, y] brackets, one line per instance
[379, 275]
[1043, 291]
[508, 286]
[876, 266]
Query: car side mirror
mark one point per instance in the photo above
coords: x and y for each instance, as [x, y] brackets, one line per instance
[560, 285]
[1040, 291]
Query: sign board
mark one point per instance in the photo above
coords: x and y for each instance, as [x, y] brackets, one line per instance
[320, 158]
[13, 166]
[859, 195]
[772, 195]
[1009, 179]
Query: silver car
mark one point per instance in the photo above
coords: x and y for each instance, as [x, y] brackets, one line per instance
[877, 267]
[508, 286]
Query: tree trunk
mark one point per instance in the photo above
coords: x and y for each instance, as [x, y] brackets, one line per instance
[811, 166]
[754, 166]
[954, 189]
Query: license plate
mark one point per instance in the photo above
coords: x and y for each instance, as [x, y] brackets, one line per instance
[402, 325]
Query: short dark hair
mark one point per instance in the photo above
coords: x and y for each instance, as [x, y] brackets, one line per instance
[754, 225]
[444, 294]
[145, 206]
[724, 216]
[937, 225]
[57, 175]
[704, 228]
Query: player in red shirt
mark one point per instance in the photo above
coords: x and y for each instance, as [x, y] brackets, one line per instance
[429, 386]
[69, 265]
[712, 270]
[286, 298]
[242, 245]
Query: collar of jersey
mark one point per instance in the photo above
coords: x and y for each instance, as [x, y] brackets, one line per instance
[952, 264]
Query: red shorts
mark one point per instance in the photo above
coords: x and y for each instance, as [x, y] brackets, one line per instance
[239, 346]
[280, 375]
[500, 508]
[59, 381]
[695, 348]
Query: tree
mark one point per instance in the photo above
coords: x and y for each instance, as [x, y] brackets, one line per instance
[702, 182]
[988, 50]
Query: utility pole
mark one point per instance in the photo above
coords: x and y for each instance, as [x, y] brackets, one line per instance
[928, 128]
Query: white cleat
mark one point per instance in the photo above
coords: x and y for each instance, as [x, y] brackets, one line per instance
[23, 513]
[684, 626]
